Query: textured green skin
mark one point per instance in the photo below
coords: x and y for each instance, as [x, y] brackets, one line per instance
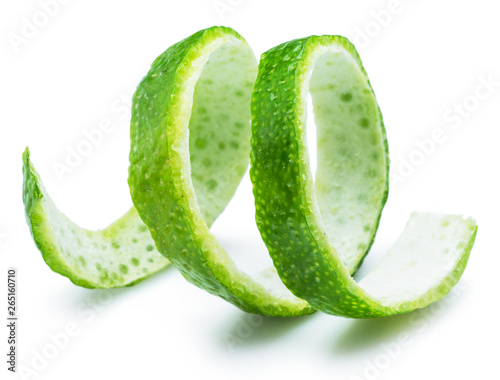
[164, 196]
[283, 188]
[287, 216]
[42, 228]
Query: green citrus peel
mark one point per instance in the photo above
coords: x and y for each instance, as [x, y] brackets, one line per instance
[191, 139]
[120, 255]
[317, 233]
[190, 135]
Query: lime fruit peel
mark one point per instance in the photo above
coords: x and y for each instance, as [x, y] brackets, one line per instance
[124, 253]
[190, 143]
[120, 255]
[318, 232]
[190, 134]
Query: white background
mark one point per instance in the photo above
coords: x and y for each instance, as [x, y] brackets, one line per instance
[85, 62]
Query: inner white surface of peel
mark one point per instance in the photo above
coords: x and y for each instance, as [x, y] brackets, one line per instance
[422, 258]
[346, 199]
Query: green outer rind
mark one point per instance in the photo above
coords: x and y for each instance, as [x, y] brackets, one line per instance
[274, 145]
[161, 188]
[286, 213]
[42, 229]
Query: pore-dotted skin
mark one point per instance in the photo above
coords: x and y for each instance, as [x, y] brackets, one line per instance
[199, 113]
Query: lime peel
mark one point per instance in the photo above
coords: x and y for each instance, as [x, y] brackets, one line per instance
[191, 138]
[123, 254]
[318, 233]
[202, 85]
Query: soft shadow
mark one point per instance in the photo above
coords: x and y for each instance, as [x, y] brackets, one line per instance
[80, 299]
[366, 333]
[250, 329]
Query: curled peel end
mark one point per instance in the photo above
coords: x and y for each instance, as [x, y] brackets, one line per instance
[121, 255]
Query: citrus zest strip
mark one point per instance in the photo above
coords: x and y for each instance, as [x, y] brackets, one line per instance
[318, 232]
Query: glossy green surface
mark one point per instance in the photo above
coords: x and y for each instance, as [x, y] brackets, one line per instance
[190, 134]
[199, 113]
[318, 233]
